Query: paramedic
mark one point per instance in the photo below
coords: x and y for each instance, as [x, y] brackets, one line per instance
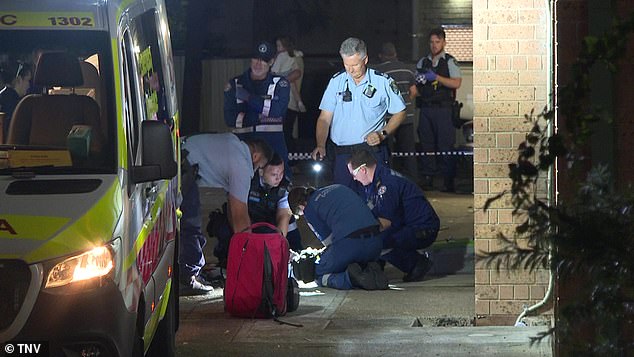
[221, 161]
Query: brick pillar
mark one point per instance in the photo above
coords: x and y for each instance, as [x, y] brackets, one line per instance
[510, 78]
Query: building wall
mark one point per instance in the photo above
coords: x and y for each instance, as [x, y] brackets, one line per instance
[511, 76]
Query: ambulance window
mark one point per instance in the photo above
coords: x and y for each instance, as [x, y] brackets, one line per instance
[131, 105]
[149, 68]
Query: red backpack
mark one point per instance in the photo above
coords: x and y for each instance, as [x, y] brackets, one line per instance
[257, 274]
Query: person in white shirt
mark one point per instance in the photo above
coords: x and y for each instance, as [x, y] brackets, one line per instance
[289, 63]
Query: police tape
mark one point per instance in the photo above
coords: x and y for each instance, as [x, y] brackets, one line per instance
[307, 156]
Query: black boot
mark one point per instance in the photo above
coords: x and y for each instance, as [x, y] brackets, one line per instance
[423, 265]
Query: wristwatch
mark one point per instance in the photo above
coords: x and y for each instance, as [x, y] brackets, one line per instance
[384, 134]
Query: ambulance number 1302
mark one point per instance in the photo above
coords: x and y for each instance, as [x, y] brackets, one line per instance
[70, 21]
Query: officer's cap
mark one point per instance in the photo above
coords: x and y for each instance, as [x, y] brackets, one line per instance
[264, 51]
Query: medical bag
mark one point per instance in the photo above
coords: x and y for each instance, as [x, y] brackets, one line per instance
[257, 274]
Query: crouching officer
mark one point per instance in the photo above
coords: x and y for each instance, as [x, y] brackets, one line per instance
[346, 227]
[408, 221]
[255, 102]
[268, 202]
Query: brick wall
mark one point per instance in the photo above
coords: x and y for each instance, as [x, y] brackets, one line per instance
[511, 71]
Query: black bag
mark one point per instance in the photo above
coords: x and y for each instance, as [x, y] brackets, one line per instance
[292, 295]
[304, 269]
[218, 227]
[455, 114]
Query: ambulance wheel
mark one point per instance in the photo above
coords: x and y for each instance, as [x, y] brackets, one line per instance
[163, 343]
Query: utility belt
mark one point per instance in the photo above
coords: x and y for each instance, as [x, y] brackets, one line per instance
[436, 104]
[367, 232]
[349, 149]
[262, 128]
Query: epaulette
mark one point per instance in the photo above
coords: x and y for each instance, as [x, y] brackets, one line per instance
[381, 74]
[338, 73]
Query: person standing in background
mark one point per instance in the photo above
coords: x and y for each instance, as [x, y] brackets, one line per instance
[438, 77]
[404, 137]
[289, 63]
[256, 101]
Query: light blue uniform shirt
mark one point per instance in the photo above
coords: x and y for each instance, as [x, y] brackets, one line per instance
[223, 162]
[353, 121]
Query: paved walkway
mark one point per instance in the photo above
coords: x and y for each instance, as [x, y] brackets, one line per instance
[429, 318]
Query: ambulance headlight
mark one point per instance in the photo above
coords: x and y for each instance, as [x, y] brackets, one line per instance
[94, 263]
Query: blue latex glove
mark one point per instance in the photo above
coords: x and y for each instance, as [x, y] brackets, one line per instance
[242, 94]
[430, 75]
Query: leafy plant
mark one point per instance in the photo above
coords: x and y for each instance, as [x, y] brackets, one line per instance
[588, 241]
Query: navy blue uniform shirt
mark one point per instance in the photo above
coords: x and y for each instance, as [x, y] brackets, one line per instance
[394, 197]
[267, 105]
[335, 212]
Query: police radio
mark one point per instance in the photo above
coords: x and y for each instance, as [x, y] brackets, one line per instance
[347, 94]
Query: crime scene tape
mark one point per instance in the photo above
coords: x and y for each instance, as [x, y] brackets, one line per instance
[306, 155]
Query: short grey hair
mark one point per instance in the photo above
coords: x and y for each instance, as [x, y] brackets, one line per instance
[352, 46]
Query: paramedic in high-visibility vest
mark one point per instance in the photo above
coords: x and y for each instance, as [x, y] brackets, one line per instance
[256, 102]
[346, 227]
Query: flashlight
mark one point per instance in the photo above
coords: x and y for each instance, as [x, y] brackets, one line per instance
[317, 167]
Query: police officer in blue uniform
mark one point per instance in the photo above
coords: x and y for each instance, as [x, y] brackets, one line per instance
[438, 77]
[346, 227]
[354, 107]
[268, 201]
[408, 221]
[256, 101]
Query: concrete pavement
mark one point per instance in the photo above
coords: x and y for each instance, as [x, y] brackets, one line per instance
[429, 318]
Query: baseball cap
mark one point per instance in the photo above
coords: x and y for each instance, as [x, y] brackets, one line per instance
[264, 51]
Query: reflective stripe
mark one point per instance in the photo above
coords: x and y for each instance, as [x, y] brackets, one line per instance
[238, 101]
[385, 251]
[267, 102]
[240, 120]
[247, 129]
[292, 226]
[328, 241]
[324, 279]
[270, 127]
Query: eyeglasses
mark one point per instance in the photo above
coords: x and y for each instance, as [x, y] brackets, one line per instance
[356, 171]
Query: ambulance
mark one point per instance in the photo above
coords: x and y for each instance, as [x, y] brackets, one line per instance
[89, 164]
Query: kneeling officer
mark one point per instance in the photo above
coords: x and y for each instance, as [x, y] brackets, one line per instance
[408, 221]
[346, 227]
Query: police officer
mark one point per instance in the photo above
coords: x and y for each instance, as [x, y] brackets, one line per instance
[268, 201]
[213, 160]
[256, 101]
[346, 227]
[438, 77]
[353, 108]
[408, 221]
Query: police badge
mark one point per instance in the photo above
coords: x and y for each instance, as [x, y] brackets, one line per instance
[381, 190]
[394, 87]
